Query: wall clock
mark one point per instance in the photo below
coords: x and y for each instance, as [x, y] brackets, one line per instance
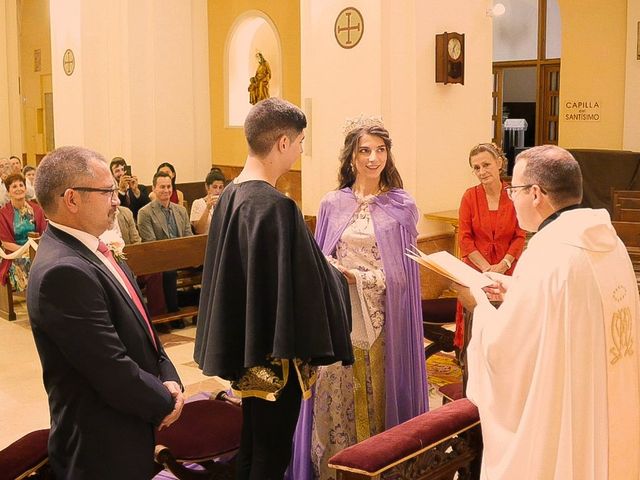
[450, 58]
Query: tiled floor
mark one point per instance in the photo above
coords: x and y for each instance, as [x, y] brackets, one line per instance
[23, 401]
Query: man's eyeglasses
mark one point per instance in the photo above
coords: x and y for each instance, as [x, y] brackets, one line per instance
[512, 189]
[105, 191]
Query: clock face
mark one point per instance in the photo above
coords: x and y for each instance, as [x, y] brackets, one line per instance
[455, 48]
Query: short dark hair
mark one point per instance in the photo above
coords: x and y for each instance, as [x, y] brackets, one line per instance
[116, 161]
[12, 178]
[556, 171]
[268, 120]
[27, 168]
[215, 176]
[389, 178]
[61, 169]
[158, 175]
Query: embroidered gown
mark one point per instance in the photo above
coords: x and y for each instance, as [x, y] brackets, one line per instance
[387, 383]
[349, 404]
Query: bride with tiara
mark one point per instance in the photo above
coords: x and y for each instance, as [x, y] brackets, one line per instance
[364, 228]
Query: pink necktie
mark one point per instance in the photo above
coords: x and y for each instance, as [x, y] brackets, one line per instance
[102, 248]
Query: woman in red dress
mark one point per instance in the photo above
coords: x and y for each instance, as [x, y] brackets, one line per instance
[489, 236]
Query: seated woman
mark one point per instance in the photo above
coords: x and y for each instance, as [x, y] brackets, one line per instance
[29, 173]
[177, 196]
[489, 236]
[17, 218]
[202, 208]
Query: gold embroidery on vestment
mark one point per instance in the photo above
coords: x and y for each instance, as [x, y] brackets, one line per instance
[621, 335]
[619, 293]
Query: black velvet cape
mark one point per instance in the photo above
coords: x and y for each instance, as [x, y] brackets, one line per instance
[267, 289]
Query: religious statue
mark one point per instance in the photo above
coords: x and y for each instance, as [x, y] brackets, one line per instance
[259, 84]
[253, 91]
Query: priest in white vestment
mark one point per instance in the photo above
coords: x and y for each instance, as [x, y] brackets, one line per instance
[554, 370]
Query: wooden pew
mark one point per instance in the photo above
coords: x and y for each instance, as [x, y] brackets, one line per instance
[165, 255]
[7, 309]
[626, 205]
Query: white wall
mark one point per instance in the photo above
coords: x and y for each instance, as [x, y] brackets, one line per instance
[141, 85]
[515, 36]
[10, 115]
[391, 72]
[631, 136]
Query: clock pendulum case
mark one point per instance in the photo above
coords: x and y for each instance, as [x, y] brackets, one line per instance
[450, 58]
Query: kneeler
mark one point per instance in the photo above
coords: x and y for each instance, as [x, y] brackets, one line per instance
[26, 457]
[436, 445]
[208, 434]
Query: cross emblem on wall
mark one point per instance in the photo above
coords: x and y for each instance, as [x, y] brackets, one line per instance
[349, 27]
[68, 62]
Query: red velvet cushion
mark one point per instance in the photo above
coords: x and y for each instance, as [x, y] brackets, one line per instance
[24, 454]
[439, 310]
[205, 429]
[388, 447]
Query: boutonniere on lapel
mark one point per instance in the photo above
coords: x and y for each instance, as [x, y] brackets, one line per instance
[117, 250]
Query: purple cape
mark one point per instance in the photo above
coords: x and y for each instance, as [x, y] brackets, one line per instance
[394, 216]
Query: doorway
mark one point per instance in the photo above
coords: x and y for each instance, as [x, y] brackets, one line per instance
[526, 76]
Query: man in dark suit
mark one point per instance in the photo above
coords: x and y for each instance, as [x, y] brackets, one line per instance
[108, 379]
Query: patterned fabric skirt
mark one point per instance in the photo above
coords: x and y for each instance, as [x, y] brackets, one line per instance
[349, 406]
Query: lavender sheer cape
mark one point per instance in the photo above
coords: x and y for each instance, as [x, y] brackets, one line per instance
[394, 216]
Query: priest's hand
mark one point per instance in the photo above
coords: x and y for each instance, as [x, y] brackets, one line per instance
[499, 287]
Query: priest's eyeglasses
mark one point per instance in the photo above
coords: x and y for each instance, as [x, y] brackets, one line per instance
[512, 189]
[105, 191]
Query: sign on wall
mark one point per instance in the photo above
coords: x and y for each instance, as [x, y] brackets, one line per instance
[582, 111]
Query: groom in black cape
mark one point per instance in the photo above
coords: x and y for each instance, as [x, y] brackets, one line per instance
[271, 307]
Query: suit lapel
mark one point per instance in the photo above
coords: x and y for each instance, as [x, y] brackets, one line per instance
[82, 250]
[160, 218]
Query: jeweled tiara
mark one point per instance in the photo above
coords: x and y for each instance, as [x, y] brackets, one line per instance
[356, 123]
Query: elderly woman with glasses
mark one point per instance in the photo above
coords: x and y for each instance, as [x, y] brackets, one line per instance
[18, 218]
[489, 236]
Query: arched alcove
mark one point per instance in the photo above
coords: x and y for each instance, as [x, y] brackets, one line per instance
[251, 33]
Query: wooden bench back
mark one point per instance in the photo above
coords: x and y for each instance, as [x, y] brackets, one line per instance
[433, 285]
[629, 233]
[165, 255]
[626, 205]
